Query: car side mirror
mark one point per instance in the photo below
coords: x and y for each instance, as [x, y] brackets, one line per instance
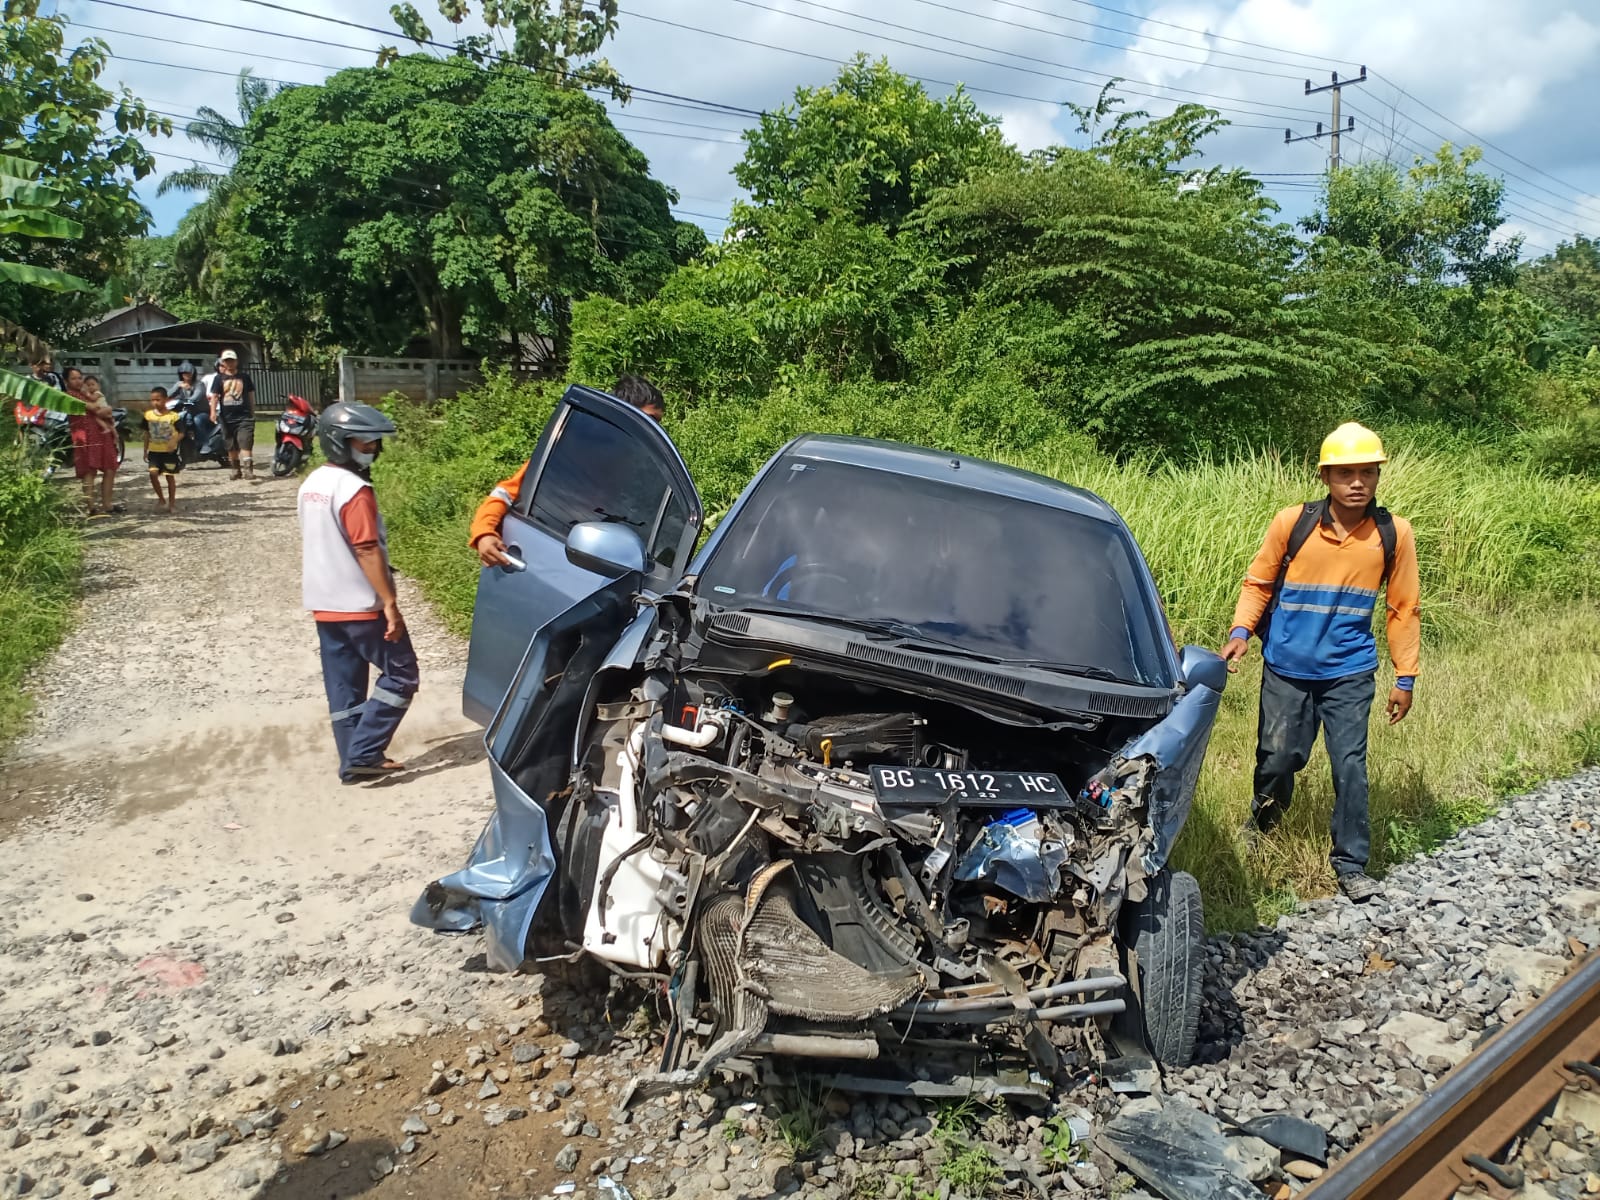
[1201, 667]
[605, 548]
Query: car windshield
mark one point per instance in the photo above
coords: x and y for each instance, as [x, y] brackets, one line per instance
[999, 577]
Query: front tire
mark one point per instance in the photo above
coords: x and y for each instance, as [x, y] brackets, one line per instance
[1163, 939]
[122, 448]
[286, 461]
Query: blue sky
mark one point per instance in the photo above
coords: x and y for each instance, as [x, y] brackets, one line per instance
[1517, 79]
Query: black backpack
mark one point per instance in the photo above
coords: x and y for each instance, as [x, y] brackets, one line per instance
[1312, 514]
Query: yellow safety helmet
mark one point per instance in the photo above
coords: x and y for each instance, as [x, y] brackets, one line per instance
[1351, 445]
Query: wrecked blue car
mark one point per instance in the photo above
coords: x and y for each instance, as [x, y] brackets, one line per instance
[888, 772]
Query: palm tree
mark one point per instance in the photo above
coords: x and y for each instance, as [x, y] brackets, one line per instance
[195, 250]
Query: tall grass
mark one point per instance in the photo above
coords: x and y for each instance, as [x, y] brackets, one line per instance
[40, 556]
[1489, 534]
[1510, 559]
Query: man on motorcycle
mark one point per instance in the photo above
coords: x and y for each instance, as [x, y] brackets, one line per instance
[188, 391]
[484, 536]
[348, 585]
[33, 414]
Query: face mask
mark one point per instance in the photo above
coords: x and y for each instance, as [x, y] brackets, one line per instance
[363, 458]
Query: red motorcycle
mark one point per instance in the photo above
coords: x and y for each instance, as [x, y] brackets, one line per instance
[296, 424]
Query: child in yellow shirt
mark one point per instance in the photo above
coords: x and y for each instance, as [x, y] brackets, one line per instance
[161, 438]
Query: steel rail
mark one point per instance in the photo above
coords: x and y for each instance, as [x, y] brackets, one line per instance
[1450, 1138]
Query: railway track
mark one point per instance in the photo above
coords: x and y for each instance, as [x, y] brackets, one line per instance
[1455, 1137]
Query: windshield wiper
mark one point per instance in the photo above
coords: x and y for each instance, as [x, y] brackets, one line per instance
[1050, 664]
[884, 627]
[907, 633]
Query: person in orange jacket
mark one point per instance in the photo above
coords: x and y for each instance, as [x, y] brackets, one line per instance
[484, 536]
[1309, 596]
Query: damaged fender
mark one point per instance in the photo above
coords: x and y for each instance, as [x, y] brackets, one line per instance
[1177, 746]
[504, 879]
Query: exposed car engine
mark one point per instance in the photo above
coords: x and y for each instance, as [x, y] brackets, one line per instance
[821, 863]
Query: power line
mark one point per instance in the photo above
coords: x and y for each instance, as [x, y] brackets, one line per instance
[1512, 174]
[1479, 138]
[688, 137]
[1053, 103]
[1334, 131]
[1423, 152]
[657, 93]
[1013, 54]
[993, 50]
[973, 46]
[966, 12]
[1044, 12]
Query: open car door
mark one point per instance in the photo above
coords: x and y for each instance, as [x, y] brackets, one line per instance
[598, 460]
[611, 512]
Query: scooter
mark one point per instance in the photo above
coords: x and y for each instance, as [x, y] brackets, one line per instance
[293, 436]
[202, 437]
[48, 434]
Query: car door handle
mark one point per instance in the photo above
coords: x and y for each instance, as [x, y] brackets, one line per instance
[514, 554]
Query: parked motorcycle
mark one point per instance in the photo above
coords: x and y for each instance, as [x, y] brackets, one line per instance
[202, 437]
[293, 436]
[48, 434]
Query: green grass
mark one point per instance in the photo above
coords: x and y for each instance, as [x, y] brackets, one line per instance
[801, 1118]
[967, 1166]
[1510, 689]
[41, 553]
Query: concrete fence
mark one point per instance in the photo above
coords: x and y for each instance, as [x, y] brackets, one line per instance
[424, 380]
[127, 379]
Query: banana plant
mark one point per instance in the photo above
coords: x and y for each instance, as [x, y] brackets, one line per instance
[26, 206]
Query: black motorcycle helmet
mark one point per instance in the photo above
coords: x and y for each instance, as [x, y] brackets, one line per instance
[341, 422]
[187, 368]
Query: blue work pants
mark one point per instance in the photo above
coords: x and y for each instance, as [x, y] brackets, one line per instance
[365, 723]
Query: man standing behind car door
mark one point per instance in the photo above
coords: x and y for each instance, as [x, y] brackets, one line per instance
[348, 585]
[484, 536]
[1309, 595]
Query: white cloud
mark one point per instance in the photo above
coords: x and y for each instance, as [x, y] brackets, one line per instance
[1029, 127]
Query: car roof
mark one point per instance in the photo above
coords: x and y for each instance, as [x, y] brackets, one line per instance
[954, 470]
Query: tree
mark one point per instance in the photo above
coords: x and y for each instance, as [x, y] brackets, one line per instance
[469, 203]
[1148, 310]
[1567, 284]
[197, 247]
[873, 145]
[1432, 224]
[54, 112]
[27, 210]
[556, 42]
[1410, 260]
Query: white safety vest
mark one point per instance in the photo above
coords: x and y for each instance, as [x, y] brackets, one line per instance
[331, 579]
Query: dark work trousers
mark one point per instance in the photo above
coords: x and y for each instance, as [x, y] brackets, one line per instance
[363, 723]
[1291, 712]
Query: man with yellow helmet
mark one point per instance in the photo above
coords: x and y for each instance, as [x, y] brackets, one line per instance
[1309, 596]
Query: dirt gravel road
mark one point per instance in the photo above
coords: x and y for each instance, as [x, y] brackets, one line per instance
[195, 909]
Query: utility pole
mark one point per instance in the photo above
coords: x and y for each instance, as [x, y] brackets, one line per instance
[1333, 133]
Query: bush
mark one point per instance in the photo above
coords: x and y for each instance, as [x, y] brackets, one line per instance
[441, 465]
[40, 557]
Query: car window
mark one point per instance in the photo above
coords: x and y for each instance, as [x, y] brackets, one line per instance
[995, 575]
[597, 471]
